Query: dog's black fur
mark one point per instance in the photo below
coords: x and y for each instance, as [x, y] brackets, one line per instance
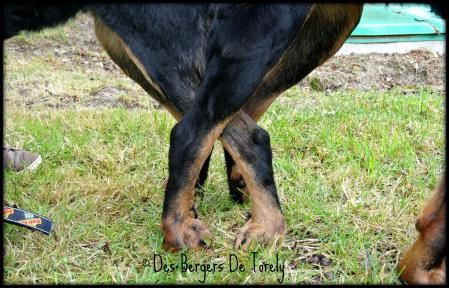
[34, 16]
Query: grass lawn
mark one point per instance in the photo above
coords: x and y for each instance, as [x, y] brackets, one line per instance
[352, 169]
[352, 172]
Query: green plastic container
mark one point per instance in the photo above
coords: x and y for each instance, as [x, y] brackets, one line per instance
[395, 23]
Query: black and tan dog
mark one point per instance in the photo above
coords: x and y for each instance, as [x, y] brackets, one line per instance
[216, 68]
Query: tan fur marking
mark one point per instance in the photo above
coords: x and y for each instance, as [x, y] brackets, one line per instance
[112, 42]
[120, 52]
[185, 199]
[263, 207]
[352, 13]
[235, 173]
[320, 14]
[433, 210]
[265, 211]
[181, 232]
[260, 109]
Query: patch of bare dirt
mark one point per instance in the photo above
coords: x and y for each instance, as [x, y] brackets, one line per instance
[110, 97]
[378, 71]
[105, 97]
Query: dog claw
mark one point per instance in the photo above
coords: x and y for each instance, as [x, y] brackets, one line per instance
[189, 233]
[254, 232]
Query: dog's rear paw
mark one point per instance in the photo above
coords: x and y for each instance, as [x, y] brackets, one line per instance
[189, 233]
[265, 233]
